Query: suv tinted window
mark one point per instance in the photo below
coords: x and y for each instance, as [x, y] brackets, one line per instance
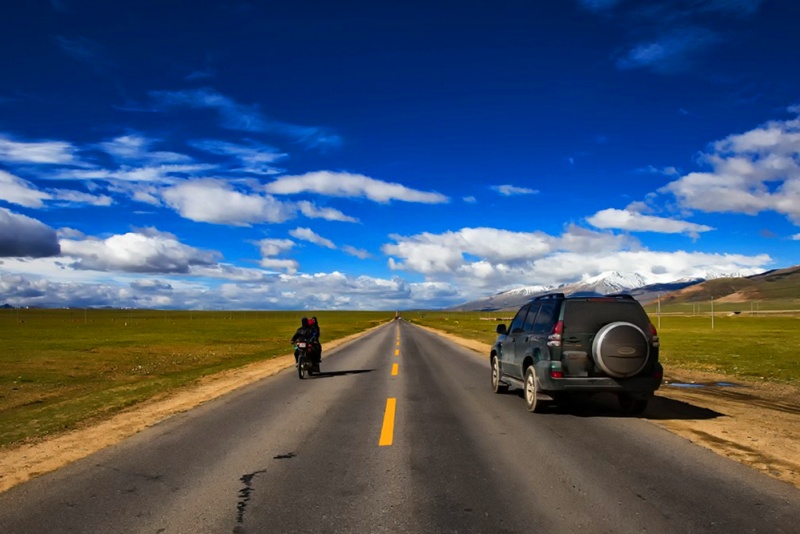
[519, 319]
[528, 327]
[589, 316]
[544, 320]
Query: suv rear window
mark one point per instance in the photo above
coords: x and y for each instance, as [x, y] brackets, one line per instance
[589, 316]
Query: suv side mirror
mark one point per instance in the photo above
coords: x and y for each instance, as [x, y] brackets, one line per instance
[501, 329]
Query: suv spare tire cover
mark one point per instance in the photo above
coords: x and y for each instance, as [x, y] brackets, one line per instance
[621, 349]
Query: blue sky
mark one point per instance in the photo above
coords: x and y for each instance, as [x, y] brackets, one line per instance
[389, 155]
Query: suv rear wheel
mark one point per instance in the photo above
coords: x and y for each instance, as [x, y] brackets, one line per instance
[497, 385]
[531, 401]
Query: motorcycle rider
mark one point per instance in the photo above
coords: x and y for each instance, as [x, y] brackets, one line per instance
[313, 324]
[304, 333]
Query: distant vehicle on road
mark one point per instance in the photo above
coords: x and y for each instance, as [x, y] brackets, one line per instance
[558, 346]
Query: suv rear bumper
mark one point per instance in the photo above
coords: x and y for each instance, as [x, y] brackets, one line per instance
[596, 384]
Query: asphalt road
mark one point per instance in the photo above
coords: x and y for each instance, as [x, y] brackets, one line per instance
[327, 454]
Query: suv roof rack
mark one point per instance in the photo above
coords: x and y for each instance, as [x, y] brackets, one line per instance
[622, 296]
[550, 296]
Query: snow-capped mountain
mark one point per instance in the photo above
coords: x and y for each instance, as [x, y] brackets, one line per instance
[712, 274]
[506, 299]
[635, 284]
[528, 291]
[609, 282]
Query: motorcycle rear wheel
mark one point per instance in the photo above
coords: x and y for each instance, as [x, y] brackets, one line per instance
[301, 371]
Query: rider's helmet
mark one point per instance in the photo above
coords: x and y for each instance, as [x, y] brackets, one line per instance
[304, 322]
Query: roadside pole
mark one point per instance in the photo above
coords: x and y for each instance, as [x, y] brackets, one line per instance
[712, 314]
[659, 312]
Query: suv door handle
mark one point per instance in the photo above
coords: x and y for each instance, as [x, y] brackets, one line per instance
[572, 339]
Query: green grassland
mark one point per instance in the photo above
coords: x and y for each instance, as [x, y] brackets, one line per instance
[63, 368]
[758, 347]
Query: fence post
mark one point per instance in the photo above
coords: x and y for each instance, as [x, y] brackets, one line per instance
[712, 314]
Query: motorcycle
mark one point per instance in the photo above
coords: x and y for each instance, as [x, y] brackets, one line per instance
[304, 354]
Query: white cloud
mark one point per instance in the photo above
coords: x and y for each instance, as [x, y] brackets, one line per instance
[330, 291]
[511, 190]
[140, 192]
[142, 252]
[21, 192]
[671, 38]
[214, 201]
[636, 222]
[22, 236]
[248, 118]
[274, 247]
[307, 234]
[227, 271]
[339, 184]
[337, 290]
[470, 200]
[356, 252]
[26, 290]
[255, 157]
[670, 52]
[68, 196]
[136, 147]
[233, 115]
[751, 172]
[151, 285]
[160, 174]
[583, 240]
[445, 253]
[280, 264]
[312, 211]
[42, 152]
[796, 237]
[666, 171]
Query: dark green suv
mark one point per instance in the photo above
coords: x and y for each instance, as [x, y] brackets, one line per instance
[560, 346]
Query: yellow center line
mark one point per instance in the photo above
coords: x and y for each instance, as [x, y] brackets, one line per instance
[387, 432]
[394, 369]
[397, 352]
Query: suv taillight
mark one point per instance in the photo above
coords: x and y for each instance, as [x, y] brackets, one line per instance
[554, 339]
[653, 335]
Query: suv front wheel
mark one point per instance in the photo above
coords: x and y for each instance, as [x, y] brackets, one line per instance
[497, 385]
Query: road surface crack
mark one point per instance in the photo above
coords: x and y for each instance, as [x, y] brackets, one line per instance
[244, 494]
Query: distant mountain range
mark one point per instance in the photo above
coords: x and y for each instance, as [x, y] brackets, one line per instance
[777, 285]
[604, 284]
